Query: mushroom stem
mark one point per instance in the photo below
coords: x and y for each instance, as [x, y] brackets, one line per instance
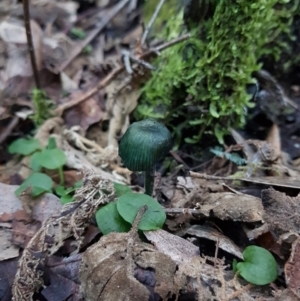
[149, 181]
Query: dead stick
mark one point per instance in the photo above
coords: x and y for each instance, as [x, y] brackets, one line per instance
[104, 82]
[149, 25]
[77, 50]
[30, 44]
[8, 129]
[182, 211]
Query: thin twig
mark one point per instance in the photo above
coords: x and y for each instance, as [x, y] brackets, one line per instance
[154, 16]
[182, 211]
[115, 72]
[77, 50]
[8, 129]
[216, 252]
[138, 218]
[166, 45]
[30, 44]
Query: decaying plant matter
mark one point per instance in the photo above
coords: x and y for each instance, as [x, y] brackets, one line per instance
[73, 220]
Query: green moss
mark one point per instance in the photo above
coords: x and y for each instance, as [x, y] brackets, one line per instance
[201, 82]
[42, 107]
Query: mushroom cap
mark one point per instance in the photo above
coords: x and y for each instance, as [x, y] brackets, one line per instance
[143, 144]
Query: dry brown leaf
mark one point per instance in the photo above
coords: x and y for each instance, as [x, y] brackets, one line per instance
[179, 249]
[282, 212]
[12, 31]
[7, 271]
[203, 281]
[107, 273]
[63, 275]
[286, 295]
[7, 249]
[18, 217]
[292, 269]
[70, 177]
[230, 206]
[223, 242]
[10, 204]
[85, 114]
[119, 106]
[23, 231]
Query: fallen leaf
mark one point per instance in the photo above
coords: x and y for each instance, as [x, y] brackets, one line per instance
[12, 31]
[85, 114]
[231, 206]
[23, 217]
[63, 276]
[281, 212]
[179, 249]
[223, 242]
[8, 269]
[70, 177]
[109, 271]
[286, 295]
[7, 249]
[292, 269]
[10, 204]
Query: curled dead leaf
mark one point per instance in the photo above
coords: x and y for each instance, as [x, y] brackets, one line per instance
[107, 273]
[230, 206]
[281, 212]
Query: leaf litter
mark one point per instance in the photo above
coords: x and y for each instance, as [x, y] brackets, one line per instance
[215, 209]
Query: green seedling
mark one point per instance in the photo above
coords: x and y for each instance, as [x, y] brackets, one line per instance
[42, 107]
[78, 33]
[38, 182]
[233, 157]
[50, 158]
[259, 266]
[143, 144]
[87, 49]
[119, 216]
[121, 189]
[109, 220]
[24, 146]
[67, 194]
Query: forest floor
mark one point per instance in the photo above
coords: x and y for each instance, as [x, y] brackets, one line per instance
[59, 158]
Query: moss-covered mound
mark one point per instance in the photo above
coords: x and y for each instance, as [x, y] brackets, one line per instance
[201, 82]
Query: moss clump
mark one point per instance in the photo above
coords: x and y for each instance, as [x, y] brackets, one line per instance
[201, 82]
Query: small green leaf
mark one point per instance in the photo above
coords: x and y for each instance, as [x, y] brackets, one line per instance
[190, 140]
[39, 182]
[234, 264]
[78, 33]
[24, 147]
[78, 184]
[121, 189]
[259, 267]
[129, 204]
[87, 49]
[60, 190]
[35, 162]
[213, 110]
[52, 158]
[109, 220]
[65, 199]
[51, 143]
